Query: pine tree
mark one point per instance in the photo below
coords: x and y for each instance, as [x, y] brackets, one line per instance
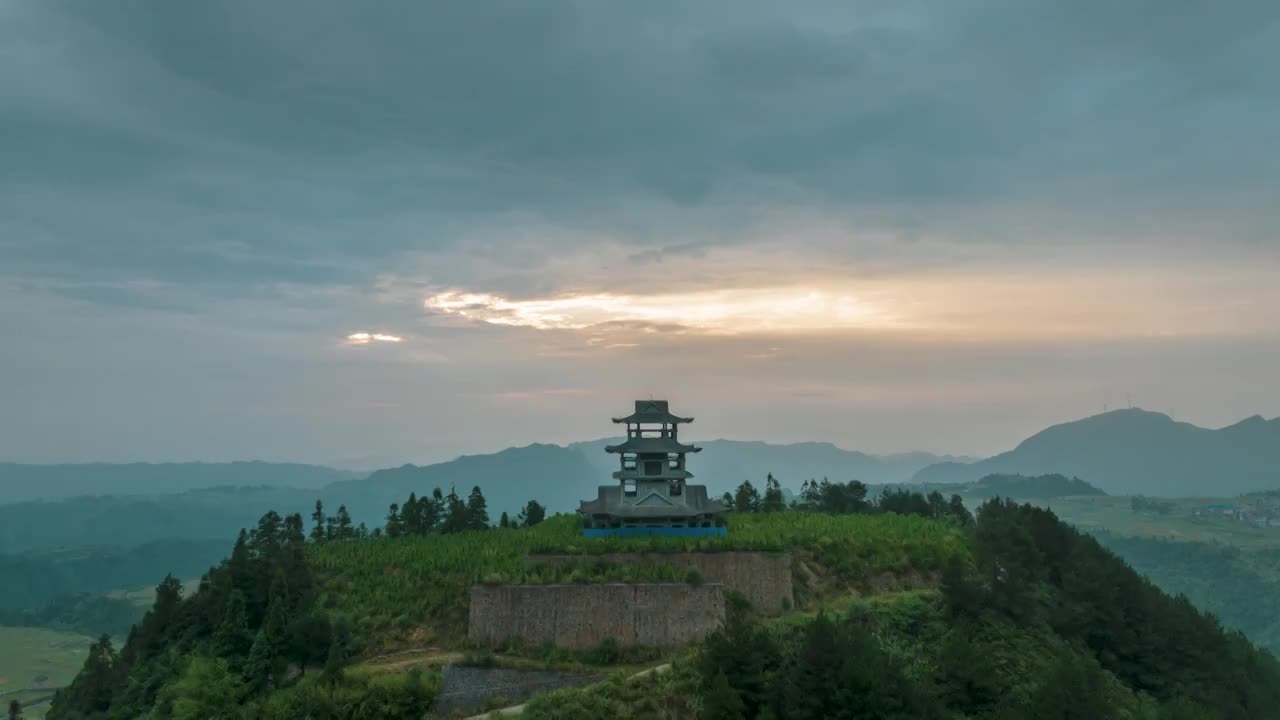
[411, 517]
[477, 510]
[231, 639]
[393, 521]
[279, 609]
[532, 513]
[774, 501]
[90, 693]
[504, 521]
[240, 565]
[334, 663]
[437, 510]
[721, 701]
[429, 511]
[267, 537]
[744, 652]
[808, 691]
[958, 512]
[258, 668]
[747, 498]
[960, 589]
[811, 494]
[317, 529]
[294, 534]
[455, 515]
[342, 524]
[727, 501]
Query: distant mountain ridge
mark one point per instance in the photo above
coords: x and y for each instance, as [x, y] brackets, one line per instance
[556, 476]
[724, 464]
[1137, 452]
[20, 482]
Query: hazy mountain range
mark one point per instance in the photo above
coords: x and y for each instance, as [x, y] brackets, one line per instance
[1122, 452]
[1136, 452]
[50, 482]
[162, 504]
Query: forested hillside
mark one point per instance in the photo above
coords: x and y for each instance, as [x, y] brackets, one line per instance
[1241, 587]
[1029, 619]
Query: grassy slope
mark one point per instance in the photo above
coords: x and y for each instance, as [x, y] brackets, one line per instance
[413, 592]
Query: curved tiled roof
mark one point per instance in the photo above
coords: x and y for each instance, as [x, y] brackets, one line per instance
[652, 412]
[652, 445]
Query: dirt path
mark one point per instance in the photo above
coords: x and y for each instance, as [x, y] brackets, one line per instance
[396, 661]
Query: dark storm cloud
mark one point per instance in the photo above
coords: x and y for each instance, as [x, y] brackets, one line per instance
[234, 143]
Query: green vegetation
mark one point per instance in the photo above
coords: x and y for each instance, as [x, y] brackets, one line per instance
[251, 618]
[1038, 622]
[1031, 619]
[1240, 587]
[416, 588]
[1024, 487]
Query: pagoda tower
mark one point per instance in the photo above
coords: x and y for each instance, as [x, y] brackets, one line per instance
[652, 496]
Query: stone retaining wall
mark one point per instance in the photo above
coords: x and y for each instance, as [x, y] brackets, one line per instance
[764, 578]
[580, 617]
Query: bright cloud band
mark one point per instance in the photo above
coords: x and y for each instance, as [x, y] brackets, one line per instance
[720, 311]
[364, 338]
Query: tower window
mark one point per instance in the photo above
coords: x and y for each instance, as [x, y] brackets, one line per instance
[652, 467]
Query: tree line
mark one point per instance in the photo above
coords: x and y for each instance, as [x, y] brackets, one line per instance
[252, 617]
[845, 498]
[417, 516]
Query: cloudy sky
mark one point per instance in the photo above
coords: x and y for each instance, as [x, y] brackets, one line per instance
[399, 231]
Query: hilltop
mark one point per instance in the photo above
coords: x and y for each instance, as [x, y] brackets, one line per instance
[904, 616]
[1136, 452]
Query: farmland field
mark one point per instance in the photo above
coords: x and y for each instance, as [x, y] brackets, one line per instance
[37, 658]
[1114, 514]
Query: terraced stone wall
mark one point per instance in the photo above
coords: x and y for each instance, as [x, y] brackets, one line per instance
[581, 617]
